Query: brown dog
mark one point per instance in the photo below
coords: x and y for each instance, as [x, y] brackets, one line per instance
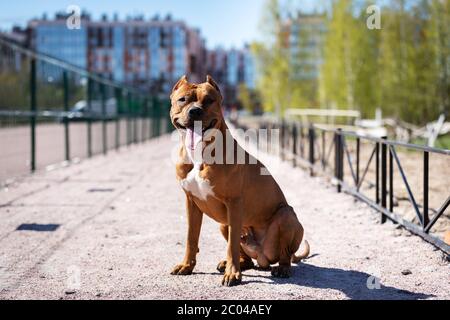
[255, 218]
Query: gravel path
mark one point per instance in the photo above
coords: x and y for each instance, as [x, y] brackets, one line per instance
[113, 227]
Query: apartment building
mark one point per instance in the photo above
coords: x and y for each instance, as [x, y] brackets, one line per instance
[12, 60]
[150, 54]
[232, 68]
[52, 37]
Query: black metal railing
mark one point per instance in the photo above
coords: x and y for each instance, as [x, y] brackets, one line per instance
[312, 146]
[52, 111]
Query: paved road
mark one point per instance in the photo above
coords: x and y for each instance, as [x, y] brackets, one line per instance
[113, 227]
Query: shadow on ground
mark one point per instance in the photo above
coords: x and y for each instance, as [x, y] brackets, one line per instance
[38, 227]
[351, 283]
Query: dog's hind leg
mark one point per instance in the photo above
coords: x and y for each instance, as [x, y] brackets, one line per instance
[245, 261]
[289, 233]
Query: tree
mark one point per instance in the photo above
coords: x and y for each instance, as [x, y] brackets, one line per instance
[409, 55]
[365, 66]
[337, 77]
[272, 63]
[439, 32]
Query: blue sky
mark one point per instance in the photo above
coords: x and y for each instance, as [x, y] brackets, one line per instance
[222, 22]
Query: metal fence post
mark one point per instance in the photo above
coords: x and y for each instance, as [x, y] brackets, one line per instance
[143, 119]
[128, 118]
[302, 151]
[150, 118]
[157, 117]
[33, 108]
[377, 173]
[104, 120]
[135, 113]
[336, 161]
[169, 126]
[118, 94]
[323, 150]
[358, 149]
[294, 144]
[391, 180]
[282, 139]
[383, 178]
[426, 218]
[66, 119]
[89, 120]
[312, 137]
[154, 117]
[339, 159]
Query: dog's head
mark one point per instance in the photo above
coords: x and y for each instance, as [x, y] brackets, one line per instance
[193, 103]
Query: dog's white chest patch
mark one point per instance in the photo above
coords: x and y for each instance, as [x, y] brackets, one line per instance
[196, 185]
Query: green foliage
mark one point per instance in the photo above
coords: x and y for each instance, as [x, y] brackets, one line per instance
[12, 90]
[249, 98]
[408, 63]
[244, 97]
[273, 84]
[442, 142]
[15, 92]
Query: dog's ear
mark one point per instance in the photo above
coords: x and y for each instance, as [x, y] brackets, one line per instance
[183, 80]
[211, 81]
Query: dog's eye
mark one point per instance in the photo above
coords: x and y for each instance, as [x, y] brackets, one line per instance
[207, 101]
[182, 99]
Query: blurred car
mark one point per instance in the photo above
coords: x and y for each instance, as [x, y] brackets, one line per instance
[82, 112]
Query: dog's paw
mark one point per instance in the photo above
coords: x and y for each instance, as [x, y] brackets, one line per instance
[222, 266]
[245, 264]
[281, 271]
[182, 270]
[231, 279]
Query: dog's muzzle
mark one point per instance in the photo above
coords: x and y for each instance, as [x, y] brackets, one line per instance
[195, 113]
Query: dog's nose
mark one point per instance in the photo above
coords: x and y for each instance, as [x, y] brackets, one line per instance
[195, 112]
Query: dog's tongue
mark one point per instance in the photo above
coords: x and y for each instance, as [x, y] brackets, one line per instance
[193, 137]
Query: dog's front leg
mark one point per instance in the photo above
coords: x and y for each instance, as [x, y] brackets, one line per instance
[195, 217]
[233, 275]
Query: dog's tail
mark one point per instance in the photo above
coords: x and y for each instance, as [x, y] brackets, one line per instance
[303, 255]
